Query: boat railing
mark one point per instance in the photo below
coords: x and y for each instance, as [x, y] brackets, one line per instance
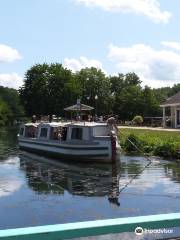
[93, 228]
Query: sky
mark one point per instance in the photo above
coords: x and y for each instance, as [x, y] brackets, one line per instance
[117, 36]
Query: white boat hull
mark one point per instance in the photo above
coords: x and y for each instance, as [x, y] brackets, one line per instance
[95, 151]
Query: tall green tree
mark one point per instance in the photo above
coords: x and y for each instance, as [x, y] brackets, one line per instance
[10, 107]
[5, 113]
[11, 97]
[126, 90]
[48, 89]
[150, 104]
[95, 89]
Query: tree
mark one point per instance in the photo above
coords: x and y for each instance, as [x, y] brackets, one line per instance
[5, 113]
[150, 104]
[117, 83]
[95, 89]
[48, 89]
[11, 108]
[131, 79]
[138, 120]
[126, 90]
[11, 97]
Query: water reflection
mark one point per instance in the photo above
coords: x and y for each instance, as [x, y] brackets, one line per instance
[36, 191]
[48, 176]
[8, 142]
[172, 171]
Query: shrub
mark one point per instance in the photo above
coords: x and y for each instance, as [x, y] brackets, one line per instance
[138, 120]
[148, 148]
[130, 142]
[166, 149]
[159, 143]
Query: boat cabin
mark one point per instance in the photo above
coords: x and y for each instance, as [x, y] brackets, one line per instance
[65, 131]
[87, 131]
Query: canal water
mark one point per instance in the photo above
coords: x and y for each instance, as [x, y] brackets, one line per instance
[36, 191]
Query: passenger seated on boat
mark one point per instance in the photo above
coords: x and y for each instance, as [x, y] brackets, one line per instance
[31, 132]
[56, 133]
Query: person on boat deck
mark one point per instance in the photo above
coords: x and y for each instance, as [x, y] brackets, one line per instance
[101, 119]
[89, 118]
[96, 118]
[111, 121]
[34, 119]
[78, 118]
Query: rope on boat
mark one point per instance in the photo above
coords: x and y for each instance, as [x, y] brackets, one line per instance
[135, 176]
[146, 166]
[137, 148]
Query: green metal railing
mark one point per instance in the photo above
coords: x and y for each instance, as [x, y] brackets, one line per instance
[91, 228]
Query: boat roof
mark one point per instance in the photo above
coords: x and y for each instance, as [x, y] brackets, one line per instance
[87, 124]
[62, 124]
[54, 124]
[31, 124]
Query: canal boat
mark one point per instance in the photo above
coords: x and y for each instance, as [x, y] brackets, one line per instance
[71, 140]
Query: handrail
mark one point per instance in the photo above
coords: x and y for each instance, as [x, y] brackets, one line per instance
[91, 228]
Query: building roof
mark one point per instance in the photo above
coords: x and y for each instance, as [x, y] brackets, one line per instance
[174, 100]
[79, 107]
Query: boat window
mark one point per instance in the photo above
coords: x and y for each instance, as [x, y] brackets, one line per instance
[56, 133]
[64, 133]
[76, 133]
[30, 132]
[44, 132]
[21, 132]
[100, 131]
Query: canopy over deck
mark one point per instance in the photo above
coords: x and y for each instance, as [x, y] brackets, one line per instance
[79, 107]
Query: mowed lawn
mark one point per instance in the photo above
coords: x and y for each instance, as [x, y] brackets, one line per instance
[152, 137]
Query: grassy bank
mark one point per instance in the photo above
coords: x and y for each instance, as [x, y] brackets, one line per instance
[152, 142]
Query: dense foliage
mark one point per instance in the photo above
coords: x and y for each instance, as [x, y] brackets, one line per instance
[48, 89]
[158, 143]
[138, 120]
[10, 106]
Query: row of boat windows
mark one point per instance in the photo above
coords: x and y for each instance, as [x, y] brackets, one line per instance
[58, 133]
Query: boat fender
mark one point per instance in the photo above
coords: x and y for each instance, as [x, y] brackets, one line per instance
[113, 147]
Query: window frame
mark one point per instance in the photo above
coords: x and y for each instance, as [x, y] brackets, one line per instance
[40, 135]
[78, 135]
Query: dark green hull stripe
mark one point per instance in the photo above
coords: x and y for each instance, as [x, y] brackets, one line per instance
[65, 147]
[53, 154]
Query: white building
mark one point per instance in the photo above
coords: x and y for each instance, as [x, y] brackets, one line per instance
[171, 111]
